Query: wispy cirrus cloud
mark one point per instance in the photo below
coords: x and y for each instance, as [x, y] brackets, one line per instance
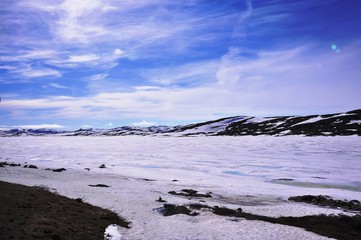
[29, 55]
[267, 84]
[57, 85]
[29, 71]
[97, 77]
[83, 58]
[97, 35]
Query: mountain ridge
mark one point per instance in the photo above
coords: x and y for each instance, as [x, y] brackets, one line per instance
[335, 124]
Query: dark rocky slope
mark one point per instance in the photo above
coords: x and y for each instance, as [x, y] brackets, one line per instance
[36, 213]
[343, 124]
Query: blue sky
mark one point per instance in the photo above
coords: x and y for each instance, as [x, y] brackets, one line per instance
[91, 63]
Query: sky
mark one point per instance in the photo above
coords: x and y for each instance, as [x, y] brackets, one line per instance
[67, 64]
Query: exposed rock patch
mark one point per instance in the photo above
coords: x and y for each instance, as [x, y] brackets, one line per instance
[59, 170]
[172, 209]
[327, 201]
[99, 185]
[190, 193]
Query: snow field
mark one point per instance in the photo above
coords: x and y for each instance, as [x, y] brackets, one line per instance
[237, 170]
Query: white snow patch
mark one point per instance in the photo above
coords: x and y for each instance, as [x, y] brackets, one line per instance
[212, 127]
[112, 232]
[311, 120]
[144, 123]
[355, 122]
[258, 119]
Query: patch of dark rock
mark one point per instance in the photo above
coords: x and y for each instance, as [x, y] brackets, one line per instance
[32, 213]
[174, 180]
[172, 209]
[223, 211]
[160, 199]
[199, 206]
[59, 170]
[88, 169]
[98, 185]
[284, 179]
[327, 201]
[80, 200]
[3, 164]
[233, 220]
[102, 166]
[338, 227]
[148, 180]
[190, 193]
[319, 177]
[31, 166]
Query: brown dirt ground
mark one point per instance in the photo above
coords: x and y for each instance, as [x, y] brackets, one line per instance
[35, 213]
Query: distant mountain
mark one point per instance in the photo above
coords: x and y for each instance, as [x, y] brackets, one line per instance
[208, 128]
[120, 131]
[345, 124]
[337, 124]
[28, 132]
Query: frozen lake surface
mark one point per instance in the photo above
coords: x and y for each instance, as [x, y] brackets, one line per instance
[255, 173]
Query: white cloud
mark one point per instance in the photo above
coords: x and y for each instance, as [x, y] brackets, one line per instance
[39, 126]
[96, 34]
[117, 52]
[30, 72]
[29, 55]
[144, 123]
[3, 127]
[281, 82]
[135, 26]
[9, 68]
[235, 70]
[97, 77]
[76, 22]
[59, 86]
[83, 58]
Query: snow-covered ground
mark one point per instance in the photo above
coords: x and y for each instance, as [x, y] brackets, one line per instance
[253, 173]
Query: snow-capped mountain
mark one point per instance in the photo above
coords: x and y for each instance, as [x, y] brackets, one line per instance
[209, 128]
[29, 132]
[120, 131]
[348, 123]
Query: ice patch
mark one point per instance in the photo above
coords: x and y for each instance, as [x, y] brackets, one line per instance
[235, 173]
[112, 232]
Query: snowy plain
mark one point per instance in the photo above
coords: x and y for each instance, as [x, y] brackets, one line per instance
[257, 174]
